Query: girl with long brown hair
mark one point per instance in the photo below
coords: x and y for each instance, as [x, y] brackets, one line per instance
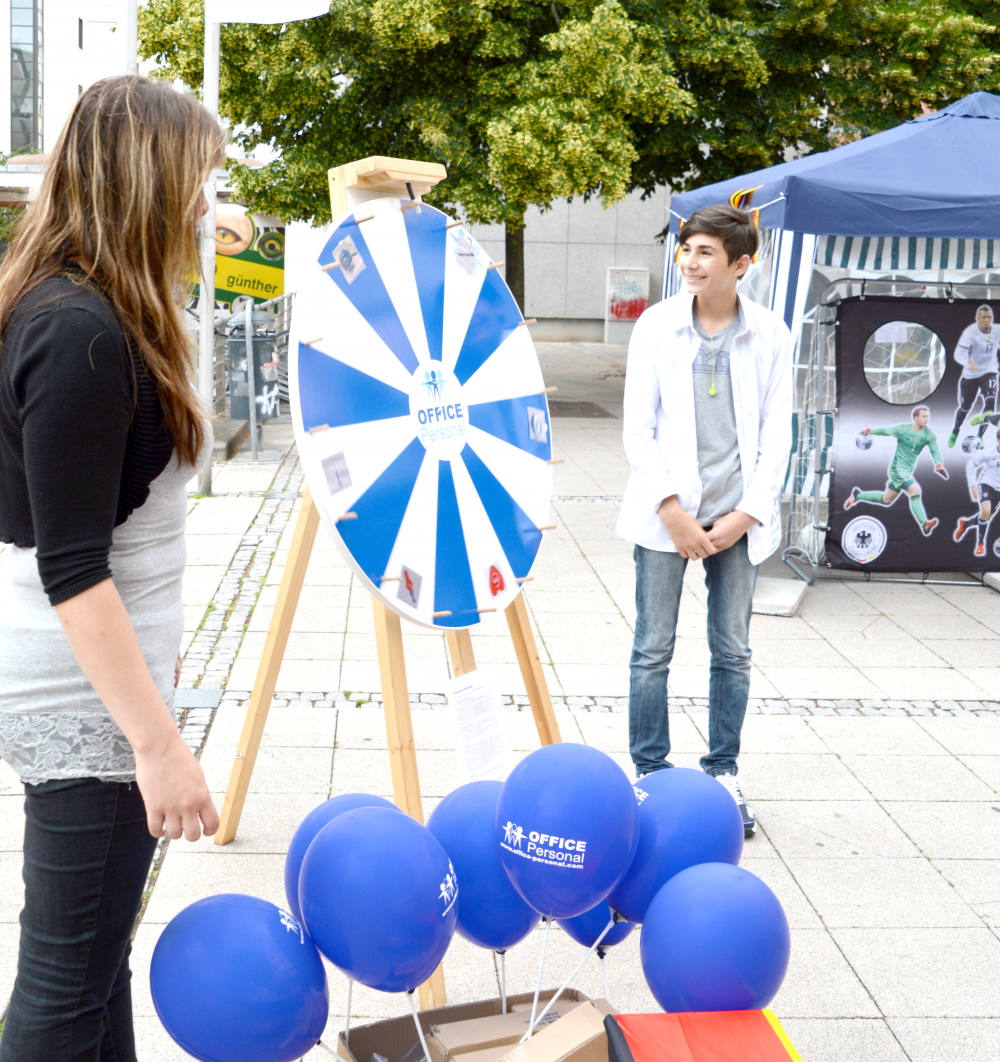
[100, 430]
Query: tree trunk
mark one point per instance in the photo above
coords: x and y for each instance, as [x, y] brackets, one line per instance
[514, 258]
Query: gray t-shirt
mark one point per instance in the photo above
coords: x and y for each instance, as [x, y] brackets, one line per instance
[715, 417]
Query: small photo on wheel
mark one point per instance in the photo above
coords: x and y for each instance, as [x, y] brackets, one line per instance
[338, 477]
[409, 587]
[351, 262]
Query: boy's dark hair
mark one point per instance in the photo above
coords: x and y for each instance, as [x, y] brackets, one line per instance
[734, 227]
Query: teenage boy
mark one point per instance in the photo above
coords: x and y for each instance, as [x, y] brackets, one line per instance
[708, 429]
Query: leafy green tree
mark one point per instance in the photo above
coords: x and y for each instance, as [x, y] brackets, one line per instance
[525, 101]
[835, 70]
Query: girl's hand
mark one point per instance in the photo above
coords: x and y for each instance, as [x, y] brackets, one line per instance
[175, 792]
[170, 779]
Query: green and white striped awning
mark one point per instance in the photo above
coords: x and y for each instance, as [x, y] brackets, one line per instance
[891, 254]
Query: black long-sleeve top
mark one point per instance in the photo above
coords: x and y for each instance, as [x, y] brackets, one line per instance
[82, 433]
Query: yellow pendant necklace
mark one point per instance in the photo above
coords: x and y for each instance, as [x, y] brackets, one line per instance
[711, 390]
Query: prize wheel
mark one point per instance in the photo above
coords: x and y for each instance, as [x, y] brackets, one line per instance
[420, 414]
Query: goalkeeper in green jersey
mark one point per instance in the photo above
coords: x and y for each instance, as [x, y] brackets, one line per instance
[910, 440]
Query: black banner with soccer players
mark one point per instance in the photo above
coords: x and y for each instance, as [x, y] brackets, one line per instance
[916, 468]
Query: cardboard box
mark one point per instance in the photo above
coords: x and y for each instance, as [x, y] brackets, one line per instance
[456, 1040]
[394, 1037]
[578, 1036]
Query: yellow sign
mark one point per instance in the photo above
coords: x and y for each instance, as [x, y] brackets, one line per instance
[249, 257]
[237, 276]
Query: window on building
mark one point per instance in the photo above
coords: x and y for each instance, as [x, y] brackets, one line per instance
[26, 75]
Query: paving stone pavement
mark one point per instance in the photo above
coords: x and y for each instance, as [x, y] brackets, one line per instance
[871, 751]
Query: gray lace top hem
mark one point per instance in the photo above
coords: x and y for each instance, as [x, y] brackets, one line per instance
[43, 746]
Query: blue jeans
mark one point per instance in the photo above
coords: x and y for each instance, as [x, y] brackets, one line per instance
[86, 855]
[730, 578]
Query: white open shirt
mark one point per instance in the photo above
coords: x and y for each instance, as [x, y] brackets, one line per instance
[660, 432]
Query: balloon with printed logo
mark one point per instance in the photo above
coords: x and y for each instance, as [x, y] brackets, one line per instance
[715, 938]
[567, 826]
[491, 913]
[311, 825]
[420, 413]
[686, 817]
[586, 928]
[379, 896]
[236, 979]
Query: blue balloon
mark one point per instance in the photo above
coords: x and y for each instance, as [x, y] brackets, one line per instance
[567, 826]
[715, 938]
[379, 896]
[236, 979]
[686, 817]
[587, 927]
[491, 913]
[310, 826]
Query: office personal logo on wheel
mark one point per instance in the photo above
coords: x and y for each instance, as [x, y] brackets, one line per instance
[864, 539]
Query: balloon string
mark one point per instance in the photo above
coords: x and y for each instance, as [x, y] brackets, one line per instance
[604, 975]
[565, 985]
[503, 980]
[538, 983]
[420, 1031]
[336, 1054]
[347, 1027]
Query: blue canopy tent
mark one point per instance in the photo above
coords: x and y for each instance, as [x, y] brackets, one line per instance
[919, 202]
[924, 195]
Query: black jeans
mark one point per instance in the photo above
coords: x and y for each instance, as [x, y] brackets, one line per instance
[87, 852]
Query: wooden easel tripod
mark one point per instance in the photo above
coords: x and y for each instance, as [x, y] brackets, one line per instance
[350, 186]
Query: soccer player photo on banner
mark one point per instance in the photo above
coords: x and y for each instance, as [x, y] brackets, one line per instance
[916, 466]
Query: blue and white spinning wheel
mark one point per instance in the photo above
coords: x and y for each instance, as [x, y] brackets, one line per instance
[420, 414]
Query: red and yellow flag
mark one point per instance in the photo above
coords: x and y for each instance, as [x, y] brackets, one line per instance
[711, 1036]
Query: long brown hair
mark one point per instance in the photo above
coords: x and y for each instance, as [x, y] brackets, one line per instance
[121, 195]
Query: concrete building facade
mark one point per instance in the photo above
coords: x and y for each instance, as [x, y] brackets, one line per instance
[50, 50]
[567, 252]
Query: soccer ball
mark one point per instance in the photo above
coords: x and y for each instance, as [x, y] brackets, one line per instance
[996, 547]
[968, 443]
[864, 442]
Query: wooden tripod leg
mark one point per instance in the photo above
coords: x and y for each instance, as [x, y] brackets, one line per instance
[402, 750]
[270, 664]
[531, 671]
[396, 704]
[463, 660]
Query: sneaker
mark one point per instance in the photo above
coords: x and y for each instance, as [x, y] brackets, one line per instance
[960, 528]
[980, 549]
[929, 525]
[952, 439]
[746, 813]
[852, 497]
